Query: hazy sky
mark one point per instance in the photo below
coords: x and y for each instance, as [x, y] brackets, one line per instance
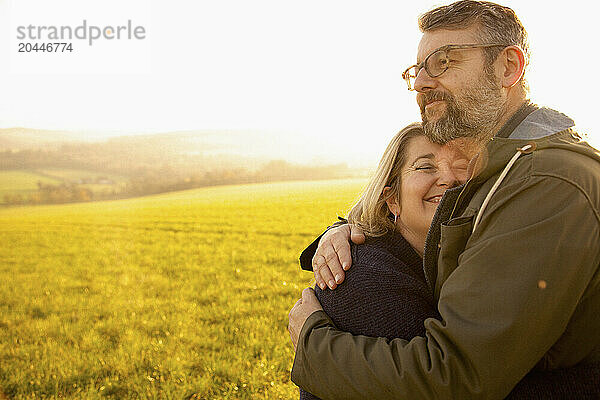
[323, 73]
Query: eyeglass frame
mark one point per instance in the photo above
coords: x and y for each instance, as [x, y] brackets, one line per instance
[446, 48]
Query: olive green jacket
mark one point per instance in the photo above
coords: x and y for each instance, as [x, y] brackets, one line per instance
[521, 291]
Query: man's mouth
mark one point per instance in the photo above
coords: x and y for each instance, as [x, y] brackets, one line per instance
[434, 199]
[433, 102]
[430, 99]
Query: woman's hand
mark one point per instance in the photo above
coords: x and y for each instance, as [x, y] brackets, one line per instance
[333, 255]
[303, 308]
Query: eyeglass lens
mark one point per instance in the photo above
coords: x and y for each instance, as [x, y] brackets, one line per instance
[435, 65]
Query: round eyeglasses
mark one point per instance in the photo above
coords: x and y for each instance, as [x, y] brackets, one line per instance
[437, 62]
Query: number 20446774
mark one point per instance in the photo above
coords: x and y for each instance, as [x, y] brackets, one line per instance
[45, 47]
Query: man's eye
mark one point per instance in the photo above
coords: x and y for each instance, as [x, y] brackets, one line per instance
[442, 65]
[424, 167]
[437, 63]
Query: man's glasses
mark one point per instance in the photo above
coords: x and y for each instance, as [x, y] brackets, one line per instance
[437, 62]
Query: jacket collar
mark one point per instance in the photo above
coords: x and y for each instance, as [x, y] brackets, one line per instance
[537, 127]
[541, 123]
[507, 129]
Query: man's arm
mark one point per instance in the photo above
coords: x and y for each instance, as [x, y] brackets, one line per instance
[378, 299]
[498, 320]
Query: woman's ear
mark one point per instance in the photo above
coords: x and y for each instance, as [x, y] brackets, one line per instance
[391, 201]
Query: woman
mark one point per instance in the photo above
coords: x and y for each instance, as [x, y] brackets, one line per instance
[385, 293]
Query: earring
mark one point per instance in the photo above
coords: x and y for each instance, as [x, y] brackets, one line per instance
[395, 218]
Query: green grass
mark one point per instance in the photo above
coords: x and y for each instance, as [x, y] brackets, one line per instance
[25, 182]
[21, 182]
[160, 297]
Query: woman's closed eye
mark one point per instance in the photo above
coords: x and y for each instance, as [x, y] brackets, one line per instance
[425, 167]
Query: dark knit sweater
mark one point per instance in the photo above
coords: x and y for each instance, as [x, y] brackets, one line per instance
[385, 294]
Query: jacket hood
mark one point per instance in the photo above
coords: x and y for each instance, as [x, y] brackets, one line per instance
[541, 123]
[544, 128]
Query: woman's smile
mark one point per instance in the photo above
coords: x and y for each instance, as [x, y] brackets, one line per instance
[430, 169]
[434, 199]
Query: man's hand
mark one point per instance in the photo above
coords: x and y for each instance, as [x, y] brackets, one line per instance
[333, 257]
[303, 308]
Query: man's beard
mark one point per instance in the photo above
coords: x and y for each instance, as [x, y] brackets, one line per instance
[474, 113]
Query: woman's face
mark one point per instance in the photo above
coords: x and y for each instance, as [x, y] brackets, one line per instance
[429, 170]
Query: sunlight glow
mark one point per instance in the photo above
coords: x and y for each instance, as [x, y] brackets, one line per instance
[323, 73]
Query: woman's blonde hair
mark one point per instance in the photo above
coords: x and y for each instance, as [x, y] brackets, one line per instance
[371, 212]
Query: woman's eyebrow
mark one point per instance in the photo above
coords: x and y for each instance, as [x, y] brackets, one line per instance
[429, 156]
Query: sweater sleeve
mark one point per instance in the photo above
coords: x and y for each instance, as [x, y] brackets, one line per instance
[497, 324]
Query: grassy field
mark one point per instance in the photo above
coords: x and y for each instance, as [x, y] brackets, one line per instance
[22, 182]
[160, 297]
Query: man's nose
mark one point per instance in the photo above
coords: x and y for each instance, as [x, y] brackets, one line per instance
[424, 82]
[448, 178]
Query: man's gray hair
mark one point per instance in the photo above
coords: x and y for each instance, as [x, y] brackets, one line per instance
[497, 24]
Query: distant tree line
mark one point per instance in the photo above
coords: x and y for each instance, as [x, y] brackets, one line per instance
[51, 194]
[161, 180]
[145, 181]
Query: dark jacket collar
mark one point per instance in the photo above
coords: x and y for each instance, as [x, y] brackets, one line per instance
[536, 126]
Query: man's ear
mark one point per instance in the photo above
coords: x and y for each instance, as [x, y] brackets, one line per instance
[512, 65]
[391, 201]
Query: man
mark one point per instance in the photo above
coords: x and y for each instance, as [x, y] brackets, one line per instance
[512, 256]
